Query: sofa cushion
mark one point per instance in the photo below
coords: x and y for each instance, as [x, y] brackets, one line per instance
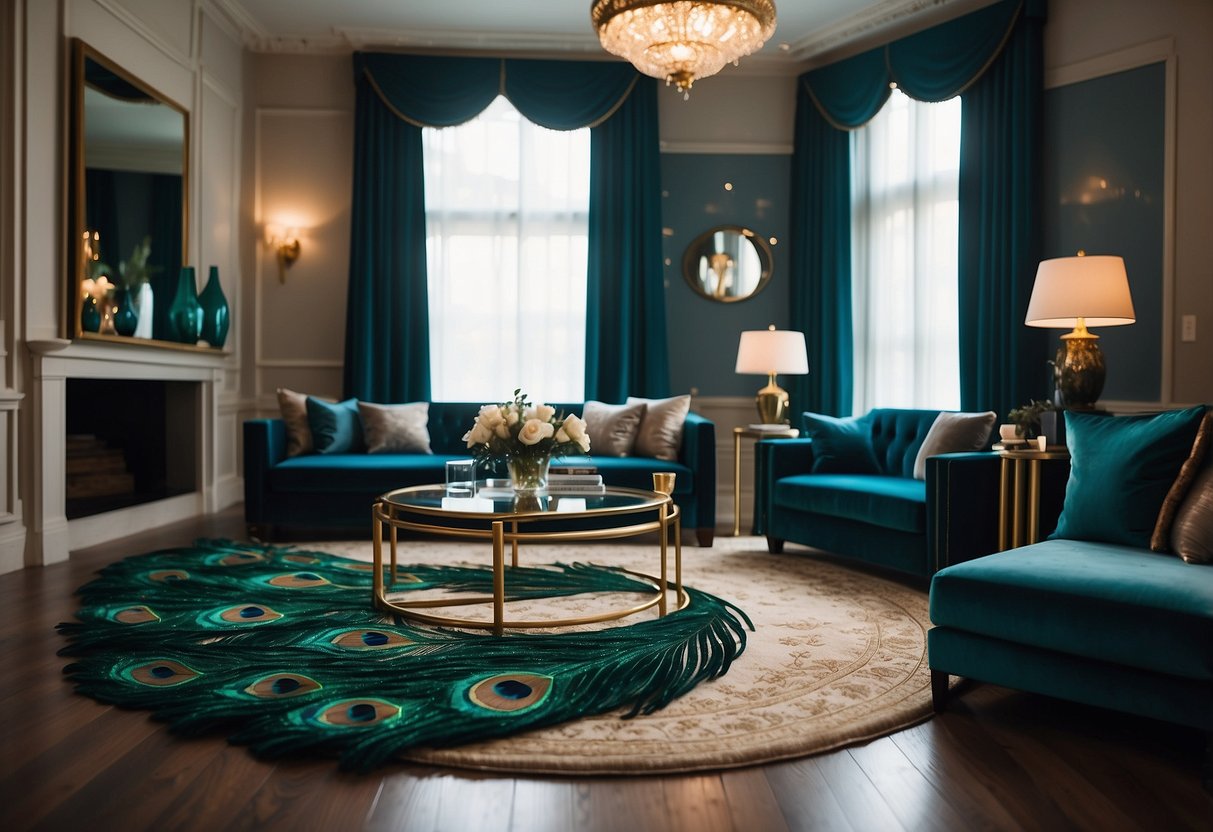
[395, 428]
[892, 502]
[336, 427]
[370, 474]
[840, 445]
[1160, 541]
[1119, 604]
[1192, 531]
[660, 432]
[612, 427]
[1120, 470]
[294, 415]
[953, 433]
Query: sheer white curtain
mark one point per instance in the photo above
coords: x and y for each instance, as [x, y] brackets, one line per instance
[507, 218]
[905, 168]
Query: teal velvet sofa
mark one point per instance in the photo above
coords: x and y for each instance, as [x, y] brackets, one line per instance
[1102, 622]
[887, 518]
[337, 490]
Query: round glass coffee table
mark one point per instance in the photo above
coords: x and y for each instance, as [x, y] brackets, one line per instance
[616, 514]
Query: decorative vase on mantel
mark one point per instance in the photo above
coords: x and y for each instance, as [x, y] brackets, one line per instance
[185, 314]
[126, 317]
[528, 474]
[215, 314]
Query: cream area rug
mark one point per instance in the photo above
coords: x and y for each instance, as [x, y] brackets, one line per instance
[838, 657]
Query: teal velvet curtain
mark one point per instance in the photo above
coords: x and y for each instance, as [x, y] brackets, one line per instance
[387, 333]
[626, 352]
[993, 59]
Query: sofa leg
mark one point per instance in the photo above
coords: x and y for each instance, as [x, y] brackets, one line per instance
[705, 536]
[774, 545]
[939, 691]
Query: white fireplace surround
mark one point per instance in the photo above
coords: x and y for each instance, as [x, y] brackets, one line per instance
[51, 535]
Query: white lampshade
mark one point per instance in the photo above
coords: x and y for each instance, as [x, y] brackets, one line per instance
[765, 351]
[1095, 288]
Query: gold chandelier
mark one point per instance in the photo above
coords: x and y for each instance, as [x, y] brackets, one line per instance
[681, 40]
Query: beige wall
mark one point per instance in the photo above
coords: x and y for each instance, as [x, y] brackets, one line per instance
[189, 51]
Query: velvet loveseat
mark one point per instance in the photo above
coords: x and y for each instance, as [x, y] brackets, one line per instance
[336, 490]
[850, 489]
[1115, 608]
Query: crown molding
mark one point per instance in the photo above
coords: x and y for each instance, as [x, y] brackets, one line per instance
[892, 16]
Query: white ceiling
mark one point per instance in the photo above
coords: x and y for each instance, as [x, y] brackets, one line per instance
[806, 29]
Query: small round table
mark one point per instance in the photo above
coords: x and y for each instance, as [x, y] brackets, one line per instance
[1014, 528]
[615, 514]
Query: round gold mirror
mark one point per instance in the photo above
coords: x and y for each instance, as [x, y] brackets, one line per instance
[727, 263]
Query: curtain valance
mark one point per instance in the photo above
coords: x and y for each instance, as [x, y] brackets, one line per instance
[430, 91]
[932, 65]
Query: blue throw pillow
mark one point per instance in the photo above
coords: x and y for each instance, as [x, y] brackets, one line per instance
[840, 446]
[1121, 468]
[336, 427]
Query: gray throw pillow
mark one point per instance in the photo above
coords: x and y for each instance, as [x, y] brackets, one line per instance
[294, 413]
[953, 433]
[660, 433]
[612, 428]
[396, 428]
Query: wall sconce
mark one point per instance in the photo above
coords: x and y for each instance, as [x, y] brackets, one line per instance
[286, 246]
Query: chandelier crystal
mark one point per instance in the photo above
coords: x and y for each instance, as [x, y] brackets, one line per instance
[682, 40]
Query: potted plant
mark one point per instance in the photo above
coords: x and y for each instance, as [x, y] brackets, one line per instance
[1027, 418]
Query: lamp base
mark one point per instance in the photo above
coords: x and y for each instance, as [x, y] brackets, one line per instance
[1079, 371]
[772, 402]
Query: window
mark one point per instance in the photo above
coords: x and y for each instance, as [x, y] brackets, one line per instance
[905, 168]
[507, 219]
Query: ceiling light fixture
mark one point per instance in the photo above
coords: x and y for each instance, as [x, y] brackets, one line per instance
[682, 40]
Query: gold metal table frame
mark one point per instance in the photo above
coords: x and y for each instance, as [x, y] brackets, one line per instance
[394, 511]
[750, 433]
[1019, 495]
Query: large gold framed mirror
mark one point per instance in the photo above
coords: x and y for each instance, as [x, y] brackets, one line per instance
[128, 197]
[728, 263]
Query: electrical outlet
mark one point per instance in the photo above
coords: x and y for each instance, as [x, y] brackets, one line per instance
[1189, 329]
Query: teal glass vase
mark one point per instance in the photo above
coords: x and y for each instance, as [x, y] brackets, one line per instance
[215, 313]
[126, 317]
[185, 313]
[90, 315]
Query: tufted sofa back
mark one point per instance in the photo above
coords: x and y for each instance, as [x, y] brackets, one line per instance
[449, 421]
[896, 437]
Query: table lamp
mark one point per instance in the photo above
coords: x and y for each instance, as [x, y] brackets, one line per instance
[1079, 292]
[768, 352]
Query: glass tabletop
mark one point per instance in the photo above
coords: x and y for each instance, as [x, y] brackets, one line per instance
[433, 499]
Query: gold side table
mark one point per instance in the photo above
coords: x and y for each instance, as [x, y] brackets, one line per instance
[750, 433]
[1019, 494]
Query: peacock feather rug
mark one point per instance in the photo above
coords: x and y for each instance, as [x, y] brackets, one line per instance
[283, 648]
[837, 656]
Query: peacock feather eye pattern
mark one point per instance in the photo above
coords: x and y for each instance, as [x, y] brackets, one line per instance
[162, 673]
[162, 576]
[284, 650]
[241, 614]
[353, 713]
[282, 686]
[298, 580]
[510, 693]
[138, 614]
[370, 640]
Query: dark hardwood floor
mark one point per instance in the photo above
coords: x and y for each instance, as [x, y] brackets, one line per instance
[997, 760]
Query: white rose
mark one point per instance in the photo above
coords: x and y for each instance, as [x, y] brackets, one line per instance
[584, 443]
[574, 426]
[509, 415]
[502, 430]
[489, 416]
[479, 434]
[562, 437]
[542, 412]
[534, 431]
